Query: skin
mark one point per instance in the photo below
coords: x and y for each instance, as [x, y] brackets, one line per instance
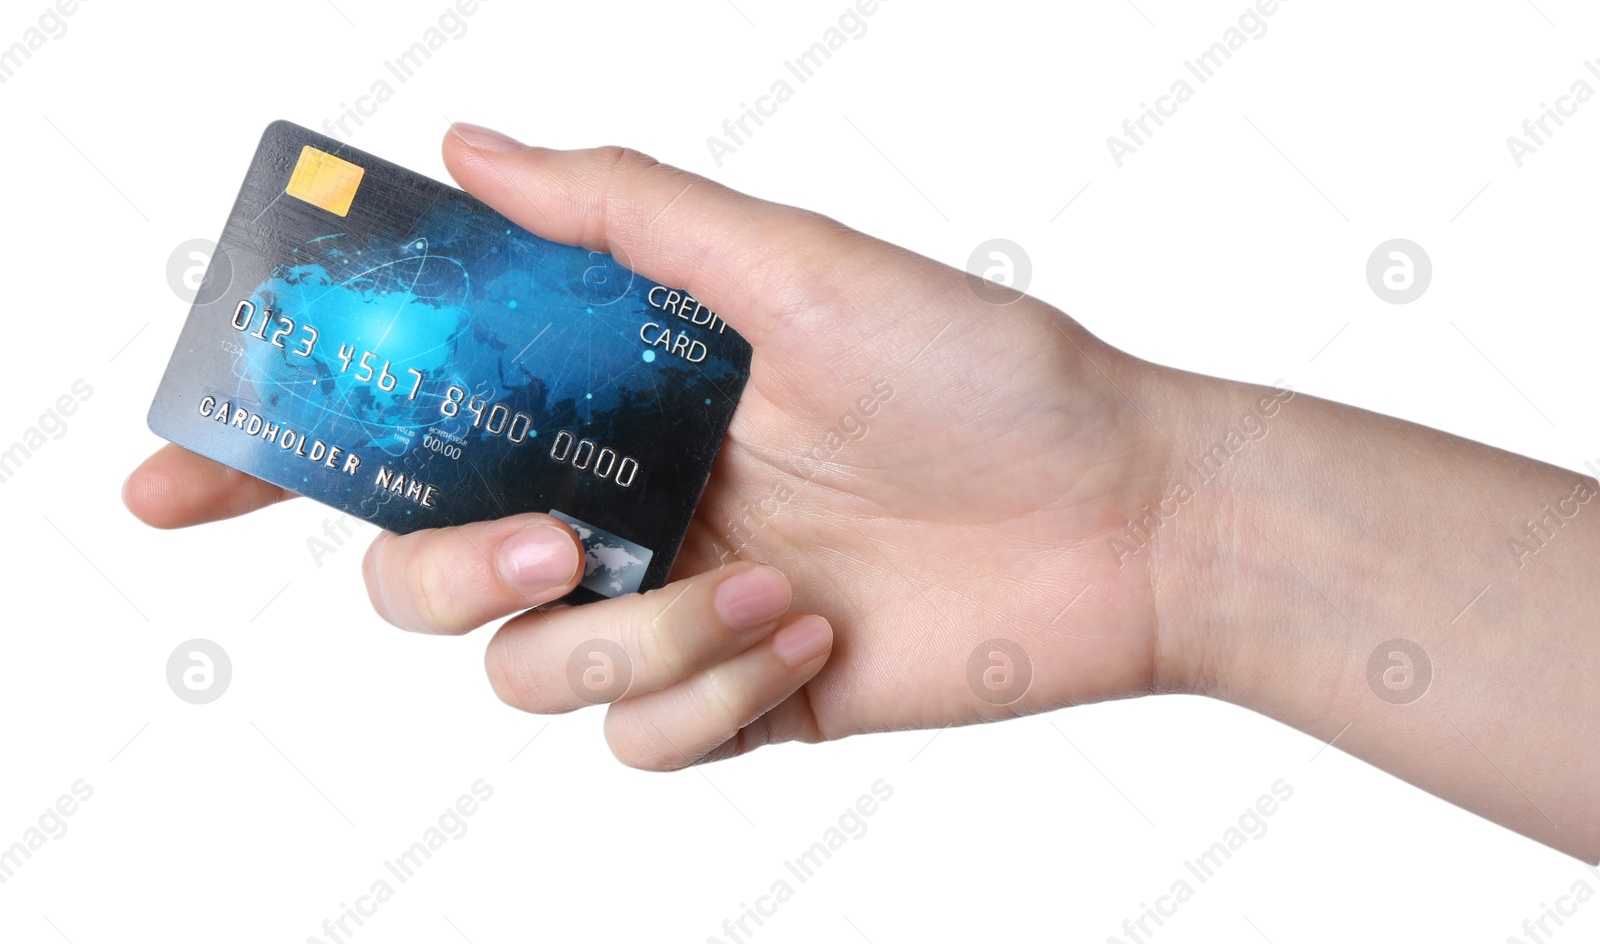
[836, 584]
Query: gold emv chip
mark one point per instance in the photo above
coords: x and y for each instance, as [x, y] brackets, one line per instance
[325, 181]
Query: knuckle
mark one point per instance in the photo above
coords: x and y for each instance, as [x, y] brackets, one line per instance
[660, 654]
[616, 158]
[623, 170]
[429, 586]
[719, 701]
[513, 678]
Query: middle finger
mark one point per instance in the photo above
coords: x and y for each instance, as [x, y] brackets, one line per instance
[554, 661]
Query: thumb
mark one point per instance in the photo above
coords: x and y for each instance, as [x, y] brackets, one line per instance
[762, 266]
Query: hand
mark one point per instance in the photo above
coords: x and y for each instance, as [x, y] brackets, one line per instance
[913, 470]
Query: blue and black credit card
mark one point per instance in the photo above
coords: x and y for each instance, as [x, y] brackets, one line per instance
[391, 346]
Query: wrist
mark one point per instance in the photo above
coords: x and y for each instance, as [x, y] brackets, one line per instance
[1303, 546]
[1216, 597]
[1351, 575]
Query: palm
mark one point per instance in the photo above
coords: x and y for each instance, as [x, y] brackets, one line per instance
[973, 504]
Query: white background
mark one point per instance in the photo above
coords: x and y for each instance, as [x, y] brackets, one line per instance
[1234, 243]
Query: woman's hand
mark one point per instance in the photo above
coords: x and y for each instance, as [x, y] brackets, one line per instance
[915, 468]
[933, 508]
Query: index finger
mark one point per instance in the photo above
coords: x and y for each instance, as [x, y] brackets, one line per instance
[757, 263]
[176, 488]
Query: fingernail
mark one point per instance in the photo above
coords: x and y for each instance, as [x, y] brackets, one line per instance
[751, 598]
[537, 559]
[802, 640]
[486, 139]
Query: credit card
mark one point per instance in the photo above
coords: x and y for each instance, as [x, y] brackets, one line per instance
[378, 341]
